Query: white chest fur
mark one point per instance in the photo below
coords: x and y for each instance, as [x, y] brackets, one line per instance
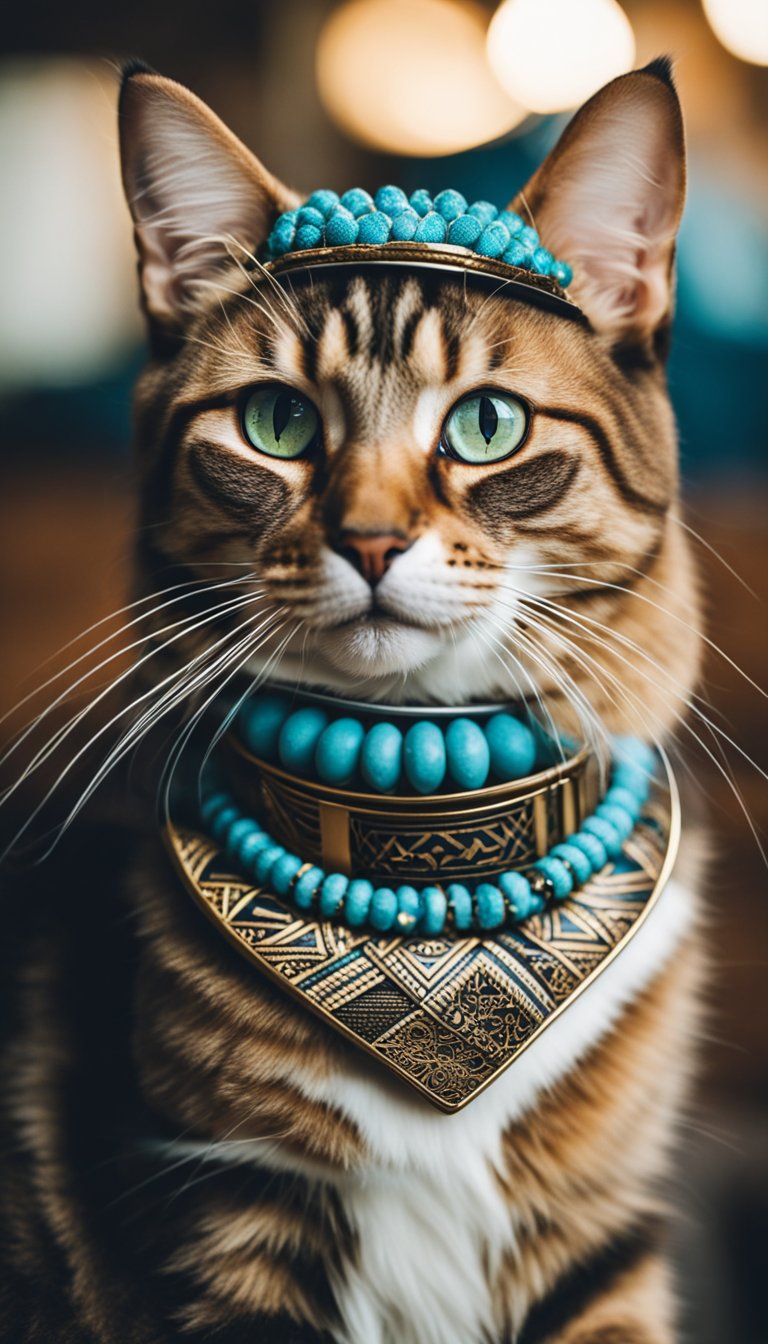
[432, 1221]
[430, 1217]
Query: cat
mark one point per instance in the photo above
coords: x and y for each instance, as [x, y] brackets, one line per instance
[195, 1156]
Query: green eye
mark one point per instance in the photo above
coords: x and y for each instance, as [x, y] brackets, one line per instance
[279, 421]
[485, 427]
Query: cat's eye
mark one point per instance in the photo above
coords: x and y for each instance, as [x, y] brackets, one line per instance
[280, 421]
[484, 427]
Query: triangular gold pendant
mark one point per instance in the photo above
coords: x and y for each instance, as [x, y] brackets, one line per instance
[447, 1014]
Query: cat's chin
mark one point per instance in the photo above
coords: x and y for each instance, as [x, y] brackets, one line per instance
[382, 647]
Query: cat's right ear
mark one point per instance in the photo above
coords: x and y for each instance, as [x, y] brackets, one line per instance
[198, 197]
[608, 199]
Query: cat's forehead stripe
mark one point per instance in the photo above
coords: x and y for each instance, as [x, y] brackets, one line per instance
[379, 344]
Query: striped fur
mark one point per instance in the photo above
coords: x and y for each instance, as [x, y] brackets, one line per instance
[199, 1158]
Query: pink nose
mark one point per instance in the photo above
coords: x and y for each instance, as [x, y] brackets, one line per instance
[371, 553]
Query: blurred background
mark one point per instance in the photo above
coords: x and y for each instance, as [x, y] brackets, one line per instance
[434, 93]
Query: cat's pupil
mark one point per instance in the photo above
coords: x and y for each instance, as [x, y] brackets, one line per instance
[281, 413]
[488, 419]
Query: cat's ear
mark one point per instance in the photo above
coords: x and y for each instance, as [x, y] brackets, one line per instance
[198, 197]
[608, 200]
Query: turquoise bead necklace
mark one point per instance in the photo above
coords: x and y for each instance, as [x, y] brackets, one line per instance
[313, 743]
[338, 748]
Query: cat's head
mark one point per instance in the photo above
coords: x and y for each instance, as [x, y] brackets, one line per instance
[416, 488]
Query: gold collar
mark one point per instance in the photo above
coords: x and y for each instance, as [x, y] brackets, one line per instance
[446, 1014]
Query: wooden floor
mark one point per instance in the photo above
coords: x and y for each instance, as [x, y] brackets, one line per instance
[64, 546]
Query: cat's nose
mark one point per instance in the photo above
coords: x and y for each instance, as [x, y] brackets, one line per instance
[371, 553]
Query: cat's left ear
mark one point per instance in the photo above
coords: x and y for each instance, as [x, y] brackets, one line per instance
[609, 198]
[198, 197]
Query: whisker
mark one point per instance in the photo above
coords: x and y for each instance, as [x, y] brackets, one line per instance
[687, 699]
[119, 653]
[643, 597]
[166, 702]
[184, 627]
[189, 729]
[174, 696]
[639, 709]
[713, 551]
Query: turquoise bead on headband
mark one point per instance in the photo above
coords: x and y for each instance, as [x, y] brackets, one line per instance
[327, 220]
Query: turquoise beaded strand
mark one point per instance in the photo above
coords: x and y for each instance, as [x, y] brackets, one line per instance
[511, 898]
[308, 743]
[327, 220]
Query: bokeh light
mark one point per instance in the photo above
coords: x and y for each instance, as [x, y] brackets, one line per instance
[741, 26]
[411, 76]
[552, 54]
[67, 267]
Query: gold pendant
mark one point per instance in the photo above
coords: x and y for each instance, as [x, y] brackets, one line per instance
[446, 1014]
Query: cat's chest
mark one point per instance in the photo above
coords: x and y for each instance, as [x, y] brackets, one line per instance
[428, 1248]
[438, 1228]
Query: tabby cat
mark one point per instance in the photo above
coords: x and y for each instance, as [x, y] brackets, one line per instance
[192, 1155]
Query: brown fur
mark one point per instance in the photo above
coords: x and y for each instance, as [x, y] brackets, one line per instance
[183, 1042]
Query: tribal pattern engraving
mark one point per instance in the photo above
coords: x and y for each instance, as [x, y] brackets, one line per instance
[446, 1014]
[422, 853]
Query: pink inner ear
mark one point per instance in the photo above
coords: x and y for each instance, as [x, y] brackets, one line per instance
[196, 194]
[610, 200]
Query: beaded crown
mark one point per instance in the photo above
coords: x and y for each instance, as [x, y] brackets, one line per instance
[444, 230]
